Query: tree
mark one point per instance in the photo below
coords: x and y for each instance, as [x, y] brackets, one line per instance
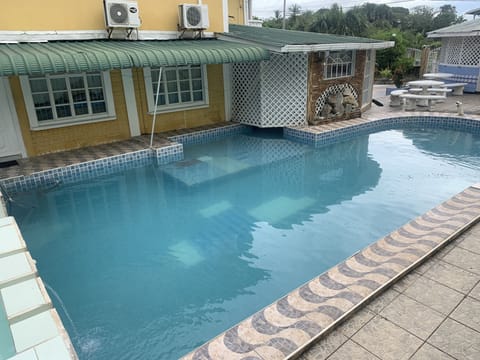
[420, 20]
[446, 17]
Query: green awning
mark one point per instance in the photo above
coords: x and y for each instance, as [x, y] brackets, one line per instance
[99, 55]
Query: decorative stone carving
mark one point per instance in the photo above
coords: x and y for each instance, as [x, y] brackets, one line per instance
[336, 103]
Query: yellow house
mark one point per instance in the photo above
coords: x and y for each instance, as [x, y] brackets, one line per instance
[74, 74]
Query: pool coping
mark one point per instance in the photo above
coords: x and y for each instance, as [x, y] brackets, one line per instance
[26, 303]
[109, 165]
[287, 327]
[288, 316]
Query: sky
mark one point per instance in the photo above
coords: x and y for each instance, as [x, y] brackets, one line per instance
[265, 8]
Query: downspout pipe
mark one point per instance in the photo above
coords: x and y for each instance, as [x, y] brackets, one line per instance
[155, 109]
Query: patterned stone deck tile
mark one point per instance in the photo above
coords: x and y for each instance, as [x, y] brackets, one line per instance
[283, 328]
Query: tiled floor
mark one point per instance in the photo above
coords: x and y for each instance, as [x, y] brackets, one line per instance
[432, 313]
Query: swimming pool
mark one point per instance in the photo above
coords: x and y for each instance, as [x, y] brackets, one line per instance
[152, 262]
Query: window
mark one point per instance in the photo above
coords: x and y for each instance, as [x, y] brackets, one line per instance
[55, 100]
[339, 64]
[180, 87]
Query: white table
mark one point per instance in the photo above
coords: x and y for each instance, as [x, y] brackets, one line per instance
[434, 76]
[424, 85]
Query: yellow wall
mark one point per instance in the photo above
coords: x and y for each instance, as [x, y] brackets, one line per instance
[236, 13]
[42, 15]
[76, 136]
[187, 118]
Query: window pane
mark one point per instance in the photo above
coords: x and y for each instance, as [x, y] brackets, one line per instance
[41, 100]
[38, 85]
[63, 111]
[183, 74]
[172, 87]
[61, 98]
[97, 94]
[58, 84]
[76, 82]
[197, 84]
[44, 114]
[197, 96]
[81, 109]
[161, 99]
[173, 98]
[99, 107]
[186, 97]
[79, 96]
[196, 73]
[154, 88]
[94, 81]
[185, 85]
[171, 75]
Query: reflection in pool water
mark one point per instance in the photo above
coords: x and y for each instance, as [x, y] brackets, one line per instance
[152, 262]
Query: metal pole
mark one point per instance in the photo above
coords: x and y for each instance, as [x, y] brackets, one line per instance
[155, 109]
[284, 13]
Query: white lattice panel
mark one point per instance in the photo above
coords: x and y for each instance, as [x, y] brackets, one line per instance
[453, 51]
[246, 106]
[334, 89]
[434, 58]
[272, 93]
[470, 51]
[284, 90]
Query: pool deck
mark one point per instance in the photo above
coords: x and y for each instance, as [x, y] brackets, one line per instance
[431, 313]
[413, 294]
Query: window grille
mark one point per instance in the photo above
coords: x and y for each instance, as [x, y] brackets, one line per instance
[339, 64]
[68, 96]
[180, 87]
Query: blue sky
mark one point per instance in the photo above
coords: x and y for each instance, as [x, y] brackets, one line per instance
[265, 8]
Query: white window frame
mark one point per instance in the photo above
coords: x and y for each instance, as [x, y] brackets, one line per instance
[72, 120]
[337, 74]
[147, 73]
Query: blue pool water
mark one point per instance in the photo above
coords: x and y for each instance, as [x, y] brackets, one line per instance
[151, 263]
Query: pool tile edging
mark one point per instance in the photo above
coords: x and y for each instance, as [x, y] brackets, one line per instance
[325, 134]
[29, 312]
[113, 164]
[284, 329]
[231, 345]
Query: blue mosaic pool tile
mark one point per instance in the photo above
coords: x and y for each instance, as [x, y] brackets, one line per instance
[114, 164]
[169, 154]
[203, 136]
[309, 136]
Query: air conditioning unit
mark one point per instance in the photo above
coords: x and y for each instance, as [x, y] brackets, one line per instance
[193, 17]
[122, 13]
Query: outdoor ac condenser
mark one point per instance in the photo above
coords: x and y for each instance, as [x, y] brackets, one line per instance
[193, 17]
[122, 13]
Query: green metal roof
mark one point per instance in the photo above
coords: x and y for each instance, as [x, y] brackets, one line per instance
[467, 28]
[79, 56]
[289, 41]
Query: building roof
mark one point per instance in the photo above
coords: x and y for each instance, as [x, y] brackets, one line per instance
[79, 56]
[467, 28]
[473, 12]
[299, 41]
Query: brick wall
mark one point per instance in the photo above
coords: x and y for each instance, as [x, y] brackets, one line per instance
[317, 85]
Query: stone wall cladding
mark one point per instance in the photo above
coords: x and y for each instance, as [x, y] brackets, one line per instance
[317, 84]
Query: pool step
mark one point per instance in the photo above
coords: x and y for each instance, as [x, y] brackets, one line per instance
[28, 319]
